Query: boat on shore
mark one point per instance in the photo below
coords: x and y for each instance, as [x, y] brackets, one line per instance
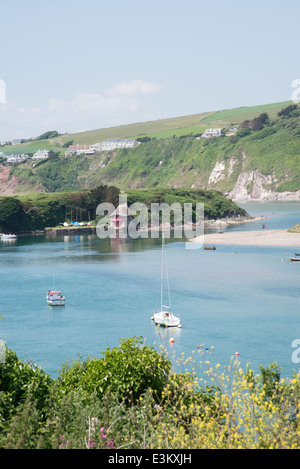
[165, 317]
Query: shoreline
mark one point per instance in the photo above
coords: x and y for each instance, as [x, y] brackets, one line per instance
[251, 238]
[91, 229]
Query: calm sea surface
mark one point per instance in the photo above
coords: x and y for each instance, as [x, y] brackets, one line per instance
[234, 299]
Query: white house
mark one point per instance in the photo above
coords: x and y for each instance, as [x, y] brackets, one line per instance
[16, 158]
[79, 150]
[209, 133]
[41, 154]
[106, 145]
[113, 143]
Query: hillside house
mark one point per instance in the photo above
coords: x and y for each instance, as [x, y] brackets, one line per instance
[41, 155]
[114, 143]
[16, 158]
[210, 133]
[16, 141]
[79, 150]
[106, 145]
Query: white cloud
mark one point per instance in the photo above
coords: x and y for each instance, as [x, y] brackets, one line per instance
[121, 104]
[92, 102]
[134, 88]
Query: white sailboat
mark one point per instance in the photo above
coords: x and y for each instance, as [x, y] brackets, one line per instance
[165, 317]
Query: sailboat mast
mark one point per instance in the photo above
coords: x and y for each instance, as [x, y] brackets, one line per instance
[164, 275]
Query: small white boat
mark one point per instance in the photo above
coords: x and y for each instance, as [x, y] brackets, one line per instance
[55, 298]
[165, 317]
[9, 236]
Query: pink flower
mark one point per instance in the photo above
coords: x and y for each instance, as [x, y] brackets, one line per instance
[91, 443]
[110, 444]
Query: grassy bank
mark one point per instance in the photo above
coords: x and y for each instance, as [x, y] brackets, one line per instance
[295, 229]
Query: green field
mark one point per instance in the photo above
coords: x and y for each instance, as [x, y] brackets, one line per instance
[164, 128]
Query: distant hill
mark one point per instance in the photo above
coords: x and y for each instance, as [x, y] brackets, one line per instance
[261, 160]
[164, 128]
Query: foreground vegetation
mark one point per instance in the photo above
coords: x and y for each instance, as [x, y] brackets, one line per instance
[131, 398]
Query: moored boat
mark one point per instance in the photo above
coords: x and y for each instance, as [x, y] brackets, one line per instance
[9, 236]
[165, 317]
[55, 298]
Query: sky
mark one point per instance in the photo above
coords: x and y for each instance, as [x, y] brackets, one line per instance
[71, 66]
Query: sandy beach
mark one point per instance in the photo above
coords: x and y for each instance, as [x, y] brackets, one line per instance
[252, 238]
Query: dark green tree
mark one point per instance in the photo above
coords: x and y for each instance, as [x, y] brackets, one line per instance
[11, 214]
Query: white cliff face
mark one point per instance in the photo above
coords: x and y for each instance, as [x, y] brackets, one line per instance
[217, 173]
[251, 185]
[231, 165]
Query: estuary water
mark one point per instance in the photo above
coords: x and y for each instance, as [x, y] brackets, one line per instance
[242, 299]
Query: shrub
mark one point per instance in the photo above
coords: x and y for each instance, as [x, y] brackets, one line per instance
[127, 371]
[286, 112]
[17, 380]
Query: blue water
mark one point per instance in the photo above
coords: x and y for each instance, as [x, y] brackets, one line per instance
[234, 299]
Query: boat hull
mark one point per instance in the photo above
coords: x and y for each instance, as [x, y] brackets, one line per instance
[55, 298]
[56, 302]
[166, 319]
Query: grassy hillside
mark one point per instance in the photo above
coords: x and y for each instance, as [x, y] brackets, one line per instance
[164, 128]
[268, 155]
